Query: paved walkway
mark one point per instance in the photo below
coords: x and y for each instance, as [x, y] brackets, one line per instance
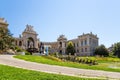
[9, 60]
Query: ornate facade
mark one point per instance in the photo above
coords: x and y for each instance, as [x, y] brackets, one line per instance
[84, 44]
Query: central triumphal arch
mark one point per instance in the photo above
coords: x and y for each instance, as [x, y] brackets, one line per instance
[28, 39]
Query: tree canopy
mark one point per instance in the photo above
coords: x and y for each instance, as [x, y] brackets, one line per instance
[70, 48]
[101, 50]
[5, 39]
[116, 49]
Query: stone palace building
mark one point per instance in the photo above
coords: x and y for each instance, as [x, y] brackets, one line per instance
[84, 44]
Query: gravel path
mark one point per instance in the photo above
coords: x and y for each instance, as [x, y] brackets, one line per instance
[9, 60]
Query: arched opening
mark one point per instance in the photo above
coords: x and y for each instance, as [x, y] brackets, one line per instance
[30, 42]
[60, 52]
[20, 43]
[60, 44]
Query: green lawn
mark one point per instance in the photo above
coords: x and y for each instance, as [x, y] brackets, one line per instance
[103, 65]
[11, 73]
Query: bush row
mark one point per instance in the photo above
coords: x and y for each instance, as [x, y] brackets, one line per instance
[78, 60]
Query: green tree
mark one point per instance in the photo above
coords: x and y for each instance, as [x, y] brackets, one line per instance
[70, 48]
[102, 51]
[5, 39]
[116, 49]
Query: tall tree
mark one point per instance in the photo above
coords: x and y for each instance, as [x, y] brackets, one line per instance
[102, 51]
[70, 48]
[5, 39]
[116, 49]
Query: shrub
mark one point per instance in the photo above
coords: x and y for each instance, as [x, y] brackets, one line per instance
[18, 49]
[56, 54]
[70, 48]
[27, 53]
[102, 51]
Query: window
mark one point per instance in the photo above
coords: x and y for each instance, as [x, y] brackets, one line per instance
[85, 49]
[90, 41]
[82, 50]
[85, 42]
[81, 43]
[74, 44]
[77, 44]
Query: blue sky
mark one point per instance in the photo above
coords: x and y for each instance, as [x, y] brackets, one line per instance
[52, 18]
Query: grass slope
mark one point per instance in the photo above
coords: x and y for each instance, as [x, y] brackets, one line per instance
[11, 73]
[46, 60]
